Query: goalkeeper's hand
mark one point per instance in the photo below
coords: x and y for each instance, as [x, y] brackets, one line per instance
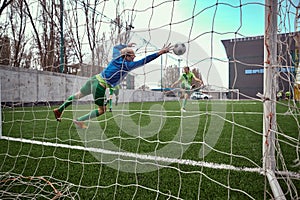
[165, 49]
[132, 44]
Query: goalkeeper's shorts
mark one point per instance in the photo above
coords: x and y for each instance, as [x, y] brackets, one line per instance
[92, 86]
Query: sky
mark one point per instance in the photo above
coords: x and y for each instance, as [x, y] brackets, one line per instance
[202, 25]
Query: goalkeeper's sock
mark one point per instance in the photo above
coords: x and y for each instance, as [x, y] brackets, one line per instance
[92, 114]
[110, 103]
[66, 103]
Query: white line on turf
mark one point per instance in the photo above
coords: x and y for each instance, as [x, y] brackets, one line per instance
[149, 157]
[135, 155]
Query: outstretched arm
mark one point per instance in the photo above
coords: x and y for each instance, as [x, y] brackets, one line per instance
[176, 82]
[198, 80]
[165, 49]
[134, 64]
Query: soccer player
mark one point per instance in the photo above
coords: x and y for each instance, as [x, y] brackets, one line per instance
[186, 85]
[110, 77]
[112, 91]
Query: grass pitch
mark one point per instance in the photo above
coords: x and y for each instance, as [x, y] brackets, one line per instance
[29, 168]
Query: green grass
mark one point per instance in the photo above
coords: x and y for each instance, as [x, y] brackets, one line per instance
[80, 174]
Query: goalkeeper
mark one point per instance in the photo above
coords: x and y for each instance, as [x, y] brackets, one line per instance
[186, 84]
[110, 77]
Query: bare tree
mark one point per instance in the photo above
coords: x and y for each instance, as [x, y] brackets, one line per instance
[44, 49]
[75, 37]
[27, 58]
[47, 51]
[99, 44]
[197, 73]
[18, 25]
[90, 18]
[5, 4]
[170, 76]
[34, 29]
[48, 42]
[45, 42]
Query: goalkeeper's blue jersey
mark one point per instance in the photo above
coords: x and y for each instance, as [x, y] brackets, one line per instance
[118, 68]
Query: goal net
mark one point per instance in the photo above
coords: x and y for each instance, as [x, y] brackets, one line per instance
[238, 137]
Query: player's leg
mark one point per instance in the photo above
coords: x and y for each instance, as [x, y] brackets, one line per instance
[69, 100]
[117, 99]
[116, 92]
[184, 101]
[94, 113]
[99, 96]
[110, 103]
[186, 87]
[111, 92]
[85, 90]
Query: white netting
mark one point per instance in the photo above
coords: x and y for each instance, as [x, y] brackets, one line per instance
[146, 147]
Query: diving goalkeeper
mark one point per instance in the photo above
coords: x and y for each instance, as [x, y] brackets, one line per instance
[110, 77]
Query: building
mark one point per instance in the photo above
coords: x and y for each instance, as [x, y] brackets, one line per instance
[246, 63]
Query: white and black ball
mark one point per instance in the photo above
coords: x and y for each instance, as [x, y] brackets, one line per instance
[179, 48]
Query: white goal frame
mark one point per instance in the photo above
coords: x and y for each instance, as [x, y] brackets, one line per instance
[269, 97]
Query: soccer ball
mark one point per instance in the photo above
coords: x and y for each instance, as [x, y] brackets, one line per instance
[179, 48]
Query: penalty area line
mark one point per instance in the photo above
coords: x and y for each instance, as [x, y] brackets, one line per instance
[139, 156]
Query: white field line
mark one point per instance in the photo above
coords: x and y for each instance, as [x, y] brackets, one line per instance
[139, 156]
[162, 111]
[153, 158]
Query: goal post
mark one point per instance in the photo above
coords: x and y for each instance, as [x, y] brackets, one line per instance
[0, 111]
[270, 54]
[297, 55]
[269, 98]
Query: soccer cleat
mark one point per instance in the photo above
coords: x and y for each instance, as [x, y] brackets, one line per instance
[57, 114]
[80, 124]
[183, 110]
[110, 110]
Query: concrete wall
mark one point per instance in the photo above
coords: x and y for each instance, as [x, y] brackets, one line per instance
[26, 85]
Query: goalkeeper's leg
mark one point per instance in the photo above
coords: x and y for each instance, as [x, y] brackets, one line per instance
[86, 89]
[58, 111]
[99, 96]
[94, 113]
[69, 101]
